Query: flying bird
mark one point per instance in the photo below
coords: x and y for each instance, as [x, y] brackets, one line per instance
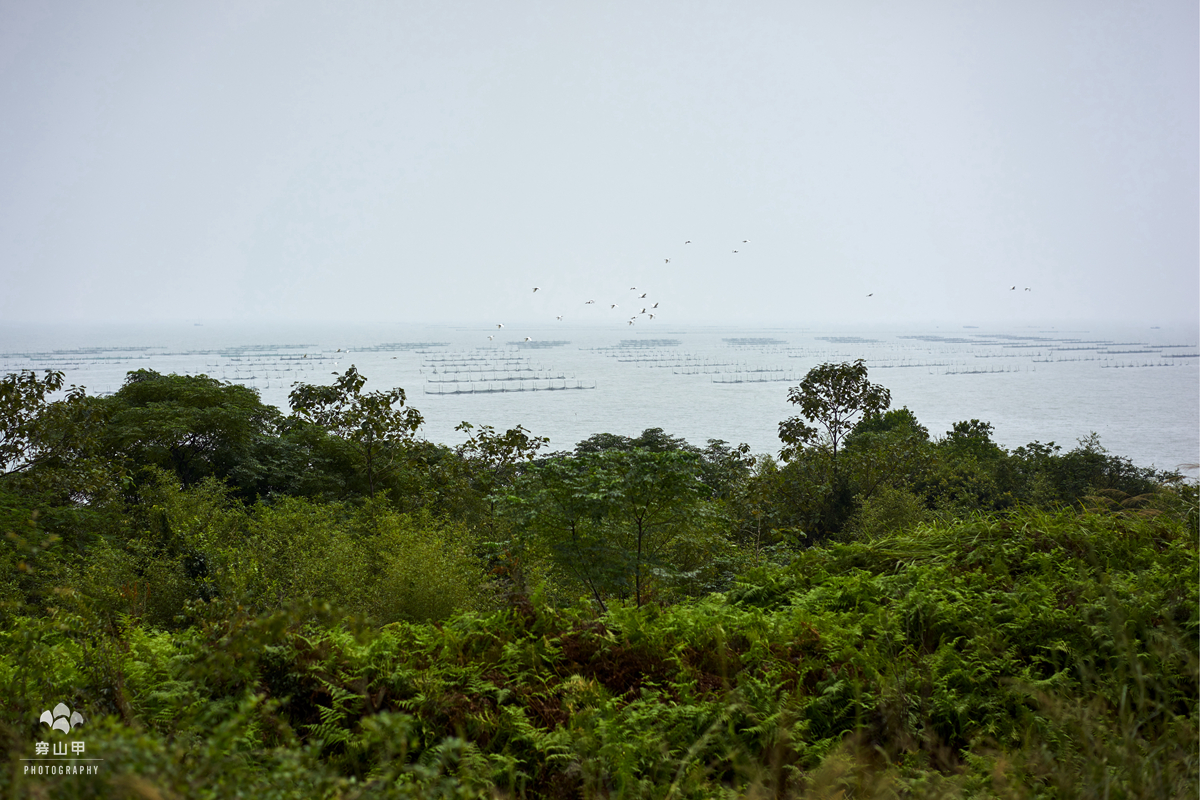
[643, 294]
[499, 324]
[689, 241]
[491, 337]
[614, 305]
[536, 288]
[1013, 289]
[872, 294]
[651, 316]
[559, 317]
[666, 261]
[735, 251]
[633, 288]
[654, 306]
[528, 339]
[589, 302]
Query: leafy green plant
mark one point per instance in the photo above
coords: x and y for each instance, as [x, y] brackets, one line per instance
[612, 518]
[366, 419]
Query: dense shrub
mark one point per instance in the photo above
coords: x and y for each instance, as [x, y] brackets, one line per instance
[1038, 655]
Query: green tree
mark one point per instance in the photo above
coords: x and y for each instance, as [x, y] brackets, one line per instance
[369, 420]
[816, 489]
[888, 510]
[807, 500]
[886, 451]
[832, 396]
[306, 460]
[970, 472]
[494, 459]
[896, 419]
[654, 439]
[553, 507]
[193, 425]
[499, 454]
[973, 437]
[1044, 475]
[611, 518]
[366, 559]
[51, 448]
[23, 404]
[724, 469]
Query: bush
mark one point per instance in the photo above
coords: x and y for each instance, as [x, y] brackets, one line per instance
[888, 510]
[368, 560]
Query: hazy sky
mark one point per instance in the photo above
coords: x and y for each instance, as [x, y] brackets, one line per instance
[434, 161]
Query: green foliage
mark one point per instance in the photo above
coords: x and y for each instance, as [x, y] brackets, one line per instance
[244, 617]
[193, 545]
[1034, 656]
[493, 461]
[886, 451]
[819, 488]
[39, 660]
[611, 518]
[370, 561]
[497, 456]
[888, 510]
[368, 420]
[194, 426]
[656, 440]
[811, 502]
[974, 438]
[305, 460]
[176, 539]
[51, 449]
[723, 468]
[896, 419]
[22, 400]
[832, 396]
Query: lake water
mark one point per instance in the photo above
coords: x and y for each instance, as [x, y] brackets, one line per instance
[1139, 388]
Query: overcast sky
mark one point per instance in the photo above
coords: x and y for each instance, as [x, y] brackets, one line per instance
[434, 161]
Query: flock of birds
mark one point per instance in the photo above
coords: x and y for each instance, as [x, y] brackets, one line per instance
[648, 310]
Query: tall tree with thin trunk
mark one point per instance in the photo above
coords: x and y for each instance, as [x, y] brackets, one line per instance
[610, 518]
[834, 396]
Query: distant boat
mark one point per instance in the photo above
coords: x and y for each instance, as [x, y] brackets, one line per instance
[971, 326]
